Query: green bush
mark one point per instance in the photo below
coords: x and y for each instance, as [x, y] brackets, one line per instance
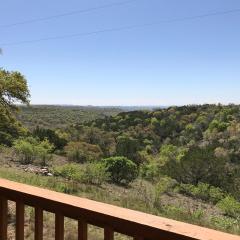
[230, 206]
[224, 223]
[216, 194]
[202, 191]
[165, 185]
[149, 172]
[82, 152]
[94, 173]
[90, 173]
[68, 171]
[121, 169]
[30, 149]
[184, 214]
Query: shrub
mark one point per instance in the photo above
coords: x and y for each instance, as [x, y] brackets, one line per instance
[121, 169]
[216, 194]
[90, 173]
[198, 164]
[230, 206]
[68, 171]
[52, 137]
[94, 173]
[149, 171]
[224, 223]
[184, 214]
[25, 150]
[127, 146]
[202, 191]
[82, 152]
[30, 149]
[165, 185]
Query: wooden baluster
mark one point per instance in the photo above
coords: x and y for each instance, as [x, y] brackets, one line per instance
[59, 226]
[108, 233]
[19, 221]
[82, 230]
[38, 234]
[3, 218]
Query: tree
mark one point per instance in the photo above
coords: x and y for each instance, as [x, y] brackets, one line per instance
[13, 89]
[31, 149]
[90, 173]
[127, 146]
[51, 136]
[199, 164]
[82, 152]
[121, 169]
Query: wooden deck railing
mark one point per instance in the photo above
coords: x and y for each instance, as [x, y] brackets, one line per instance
[111, 218]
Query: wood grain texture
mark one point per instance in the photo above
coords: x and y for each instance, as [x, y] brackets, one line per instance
[38, 234]
[125, 221]
[19, 220]
[108, 233]
[82, 230]
[3, 218]
[59, 226]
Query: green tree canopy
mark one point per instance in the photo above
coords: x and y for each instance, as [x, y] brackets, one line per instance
[121, 169]
[13, 90]
[83, 152]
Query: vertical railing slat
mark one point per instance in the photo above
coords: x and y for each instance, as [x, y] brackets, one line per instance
[3, 218]
[82, 230]
[108, 233]
[38, 234]
[59, 226]
[19, 221]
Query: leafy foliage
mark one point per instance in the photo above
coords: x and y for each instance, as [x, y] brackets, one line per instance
[191, 151]
[121, 169]
[90, 173]
[230, 206]
[56, 117]
[13, 89]
[42, 133]
[202, 191]
[30, 149]
[83, 152]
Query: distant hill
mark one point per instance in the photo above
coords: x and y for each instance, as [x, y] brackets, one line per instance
[56, 116]
[139, 108]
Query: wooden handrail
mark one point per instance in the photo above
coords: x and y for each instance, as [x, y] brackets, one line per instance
[113, 219]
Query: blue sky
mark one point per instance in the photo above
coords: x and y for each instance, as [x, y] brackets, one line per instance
[178, 63]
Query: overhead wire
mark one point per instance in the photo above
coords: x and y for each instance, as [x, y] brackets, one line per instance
[128, 27]
[70, 13]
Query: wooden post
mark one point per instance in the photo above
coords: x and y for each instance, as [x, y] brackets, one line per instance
[3, 218]
[19, 221]
[108, 233]
[59, 226]
[82, 230]
[38, 234]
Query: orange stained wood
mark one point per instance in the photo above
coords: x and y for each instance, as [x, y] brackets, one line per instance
[133, 223]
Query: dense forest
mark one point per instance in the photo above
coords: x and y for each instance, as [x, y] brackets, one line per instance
[178, 162]
[60, 116]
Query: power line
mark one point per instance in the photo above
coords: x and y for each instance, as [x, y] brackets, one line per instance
[129, 27]
[81, 11]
